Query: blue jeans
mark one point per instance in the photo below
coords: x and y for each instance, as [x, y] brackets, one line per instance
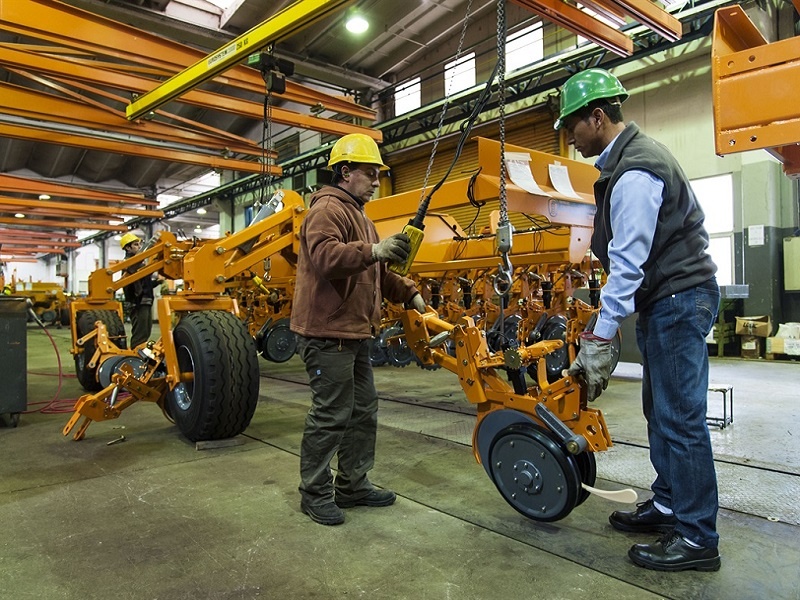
[671, 336]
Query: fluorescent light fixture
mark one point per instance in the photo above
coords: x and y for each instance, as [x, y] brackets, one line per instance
[201, 211]
[44, 197]
[356, 24]
[19, 216]
[198, 228]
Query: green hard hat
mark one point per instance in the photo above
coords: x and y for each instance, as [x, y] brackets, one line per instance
[588, 85]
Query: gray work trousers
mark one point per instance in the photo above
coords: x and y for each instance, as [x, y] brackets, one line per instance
[342, 420]
[141, 323]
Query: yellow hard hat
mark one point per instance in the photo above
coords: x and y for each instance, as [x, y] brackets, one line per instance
[128, 238]
[356, 148]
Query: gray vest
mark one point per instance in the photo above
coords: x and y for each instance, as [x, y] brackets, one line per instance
[678, 259]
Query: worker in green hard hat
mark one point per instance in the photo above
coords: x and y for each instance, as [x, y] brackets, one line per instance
[650, 239]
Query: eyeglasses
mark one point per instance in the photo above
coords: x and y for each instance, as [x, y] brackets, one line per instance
[369, 172]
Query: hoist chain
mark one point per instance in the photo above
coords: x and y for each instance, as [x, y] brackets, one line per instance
[502, 283]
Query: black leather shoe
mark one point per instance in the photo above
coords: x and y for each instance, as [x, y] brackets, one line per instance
[645, 519]
[673, 553]
[325, 514]
[374, 498]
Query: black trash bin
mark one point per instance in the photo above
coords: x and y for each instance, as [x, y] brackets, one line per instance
[13, 358]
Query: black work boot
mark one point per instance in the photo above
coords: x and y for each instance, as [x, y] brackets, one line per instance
[375, 498]
[324, 514]
[645, 519]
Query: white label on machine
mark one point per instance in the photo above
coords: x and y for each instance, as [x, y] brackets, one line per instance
[519, 171]
[559, 177]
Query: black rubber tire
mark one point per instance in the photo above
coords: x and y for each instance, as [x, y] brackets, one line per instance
[85, 323]
[64, 316]
[220, 400]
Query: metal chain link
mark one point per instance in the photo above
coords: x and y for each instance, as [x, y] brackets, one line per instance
[502, 281]
[446, 104]
[501, 103]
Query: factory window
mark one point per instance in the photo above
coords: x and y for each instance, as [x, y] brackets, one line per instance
[459, 75]
[715, 195]
[524, 47]
[407, 97]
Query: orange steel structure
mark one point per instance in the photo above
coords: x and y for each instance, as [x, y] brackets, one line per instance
[754, 90]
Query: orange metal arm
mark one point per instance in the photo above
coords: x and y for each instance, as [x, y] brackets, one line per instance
[754, 90]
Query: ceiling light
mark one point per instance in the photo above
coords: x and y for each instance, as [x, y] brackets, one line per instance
[356, 24]
[201, 211]
[19, 216]
[198, 228]
[44, 197]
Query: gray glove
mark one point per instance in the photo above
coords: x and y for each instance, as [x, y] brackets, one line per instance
[593, 364]
[393, 249]
[418, 303]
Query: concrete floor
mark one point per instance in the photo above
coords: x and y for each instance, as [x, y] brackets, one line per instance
[154, 518]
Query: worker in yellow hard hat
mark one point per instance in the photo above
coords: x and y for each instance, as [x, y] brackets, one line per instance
[342, 277]
[650, 239]
[138, 294]
[129, 238]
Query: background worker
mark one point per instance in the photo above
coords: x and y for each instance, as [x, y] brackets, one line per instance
[138, 294]
[342, 277]
[650, 239]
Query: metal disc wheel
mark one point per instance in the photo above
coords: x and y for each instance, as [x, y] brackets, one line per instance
[556, 329]
[587, 467]
[218, 392]
[85, 323]
[279, 343]
[534, 473]
[398, 352]
[377, 352]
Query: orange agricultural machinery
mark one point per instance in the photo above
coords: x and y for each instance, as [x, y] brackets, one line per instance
[507, 324]
[203, 371]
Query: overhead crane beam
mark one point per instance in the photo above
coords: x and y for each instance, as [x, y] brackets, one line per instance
[44, 107]
[19, 242]
[50, 236]
[23, 185]
[29, 249]
[107, 75]
[580, 23]
[44, 132]
[64, 224]
[94, 35]
[287, 22]
[83, 207]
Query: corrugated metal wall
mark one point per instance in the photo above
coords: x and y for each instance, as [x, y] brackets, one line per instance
[533, 130]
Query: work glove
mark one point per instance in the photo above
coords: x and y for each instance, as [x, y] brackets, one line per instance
[394, 249]
[593, 364]
[418, 303]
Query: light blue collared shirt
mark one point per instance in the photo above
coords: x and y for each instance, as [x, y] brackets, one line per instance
[634, 204]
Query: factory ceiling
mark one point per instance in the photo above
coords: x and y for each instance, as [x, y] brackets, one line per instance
[70, 159]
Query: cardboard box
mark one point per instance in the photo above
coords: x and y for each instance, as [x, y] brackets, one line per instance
[754, 326]
[752, 346]
[776, 345]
